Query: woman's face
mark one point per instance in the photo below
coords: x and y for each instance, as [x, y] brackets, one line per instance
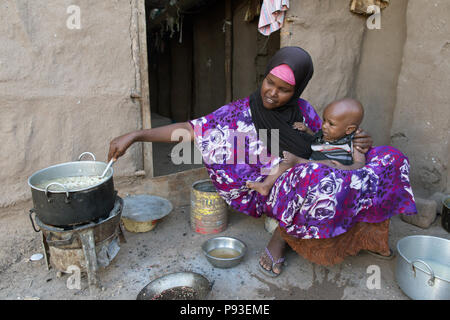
[275, 92]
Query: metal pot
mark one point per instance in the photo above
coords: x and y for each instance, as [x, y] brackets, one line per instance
[423, 269]
[445, 218]
[68, 208]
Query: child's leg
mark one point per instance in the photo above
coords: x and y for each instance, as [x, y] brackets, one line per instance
[265, 186]
[293, 159]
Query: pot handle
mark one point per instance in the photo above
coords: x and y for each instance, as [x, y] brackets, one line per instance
[431, 280]
[89, 153]
[57, 184]
[32, 222]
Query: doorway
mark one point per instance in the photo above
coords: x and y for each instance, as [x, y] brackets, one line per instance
[189, 43]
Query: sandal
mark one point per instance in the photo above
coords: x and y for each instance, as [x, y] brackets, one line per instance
[270, 272]
[380, 256]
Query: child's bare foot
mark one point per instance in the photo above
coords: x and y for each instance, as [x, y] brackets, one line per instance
[260, 187]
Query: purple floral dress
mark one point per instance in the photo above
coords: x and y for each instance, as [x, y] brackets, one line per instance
[309, 200]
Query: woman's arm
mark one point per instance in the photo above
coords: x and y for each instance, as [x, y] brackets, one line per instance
[119, 145]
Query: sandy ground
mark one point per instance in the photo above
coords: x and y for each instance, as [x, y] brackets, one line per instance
[173, 246]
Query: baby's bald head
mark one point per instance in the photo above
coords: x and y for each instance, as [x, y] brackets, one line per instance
[351, 109]
[341, 117]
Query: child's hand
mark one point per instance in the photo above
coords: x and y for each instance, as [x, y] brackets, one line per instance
[302, 127]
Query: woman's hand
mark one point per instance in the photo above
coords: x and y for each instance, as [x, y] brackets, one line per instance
[118, 146]
[362, 141]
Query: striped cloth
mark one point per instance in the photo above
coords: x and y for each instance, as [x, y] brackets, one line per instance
[340, 150]
[272, 15]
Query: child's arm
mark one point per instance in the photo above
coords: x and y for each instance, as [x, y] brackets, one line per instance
[359, 161]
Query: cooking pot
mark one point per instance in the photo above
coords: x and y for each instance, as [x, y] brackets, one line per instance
[69, 207]
[445, 218]
[423, 267]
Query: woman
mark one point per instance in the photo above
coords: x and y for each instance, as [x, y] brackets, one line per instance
[310, 201]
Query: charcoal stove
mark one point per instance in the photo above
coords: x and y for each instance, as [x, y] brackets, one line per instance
[87, 246]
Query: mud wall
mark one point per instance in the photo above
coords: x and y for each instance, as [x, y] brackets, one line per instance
[63, 91]
[399, 72]
[421, 120]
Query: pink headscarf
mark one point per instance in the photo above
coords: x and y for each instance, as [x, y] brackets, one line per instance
[285, 73]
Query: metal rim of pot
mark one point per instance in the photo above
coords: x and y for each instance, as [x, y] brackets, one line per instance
[72, 206]
[109, 175]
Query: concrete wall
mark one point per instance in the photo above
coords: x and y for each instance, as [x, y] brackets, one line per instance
[333, 36]
[62, 91]
[422, 113]
[377, 76]
[400, 73]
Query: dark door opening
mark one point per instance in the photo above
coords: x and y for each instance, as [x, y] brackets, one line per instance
[187, 54]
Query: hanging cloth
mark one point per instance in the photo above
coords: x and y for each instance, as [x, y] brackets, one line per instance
[272, 15]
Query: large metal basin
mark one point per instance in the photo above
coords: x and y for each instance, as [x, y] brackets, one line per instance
[423, 267]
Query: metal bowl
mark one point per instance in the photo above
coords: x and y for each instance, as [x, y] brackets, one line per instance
[224, 259]
[423, 269]
[199, 285]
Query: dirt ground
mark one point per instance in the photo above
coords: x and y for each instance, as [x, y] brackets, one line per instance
[173, 246]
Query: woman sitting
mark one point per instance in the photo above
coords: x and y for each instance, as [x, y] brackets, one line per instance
[324, 213]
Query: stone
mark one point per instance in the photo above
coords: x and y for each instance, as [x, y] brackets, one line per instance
[426, 214]
[439, 197]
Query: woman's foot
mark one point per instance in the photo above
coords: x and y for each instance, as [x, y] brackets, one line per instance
[259, 187]
[272, 259]
[386, 255]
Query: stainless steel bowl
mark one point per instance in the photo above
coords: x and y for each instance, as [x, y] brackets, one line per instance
[224, 244]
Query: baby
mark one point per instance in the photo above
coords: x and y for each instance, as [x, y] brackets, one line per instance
[332, 145]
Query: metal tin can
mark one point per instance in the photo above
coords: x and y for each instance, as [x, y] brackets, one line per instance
[208, 210]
